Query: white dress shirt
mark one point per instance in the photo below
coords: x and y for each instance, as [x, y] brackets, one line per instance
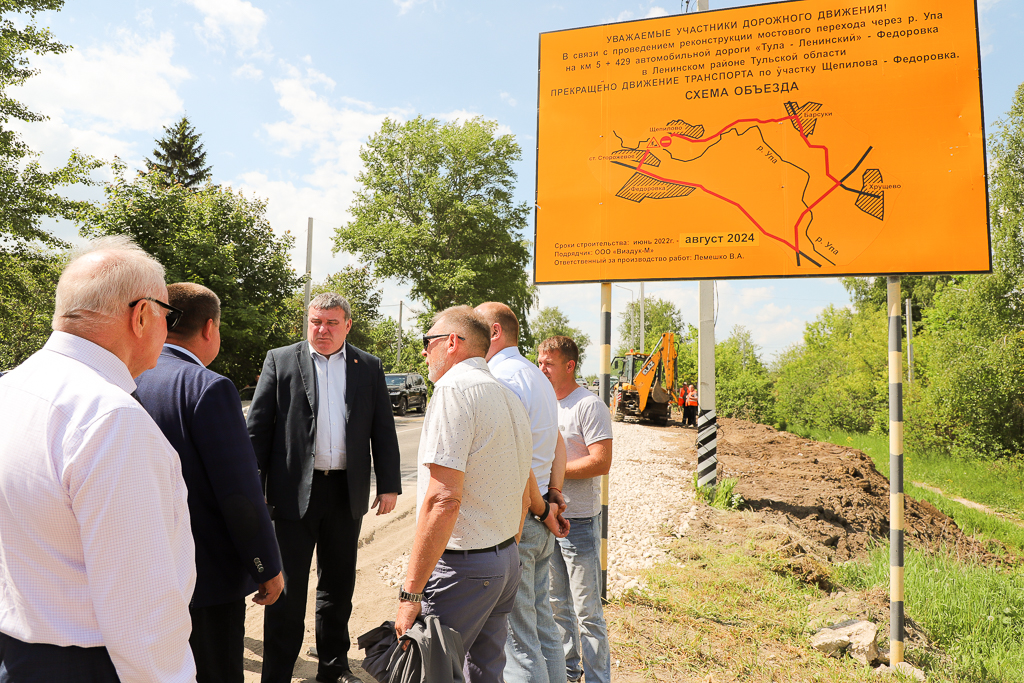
[332, 410]
[537, 394]
[477, 425]
[95, 543]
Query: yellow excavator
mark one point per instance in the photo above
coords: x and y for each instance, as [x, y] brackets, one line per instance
[646, 385]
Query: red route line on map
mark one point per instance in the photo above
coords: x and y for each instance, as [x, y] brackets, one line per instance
[800, 129]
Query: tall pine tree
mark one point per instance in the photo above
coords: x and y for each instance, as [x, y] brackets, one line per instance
[180, 155]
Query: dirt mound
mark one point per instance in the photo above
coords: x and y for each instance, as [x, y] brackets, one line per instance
[833, 496]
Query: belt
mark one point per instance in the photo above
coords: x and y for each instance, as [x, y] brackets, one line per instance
[494, 548]
[327, 473]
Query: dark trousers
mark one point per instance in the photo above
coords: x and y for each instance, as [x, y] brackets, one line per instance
[327, 527]
[473, 593]
[218, 641]
[22, 662]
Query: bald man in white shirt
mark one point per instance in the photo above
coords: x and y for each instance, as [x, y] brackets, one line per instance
[96, 549]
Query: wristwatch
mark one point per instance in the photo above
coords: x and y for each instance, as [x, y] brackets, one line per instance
[409, 597]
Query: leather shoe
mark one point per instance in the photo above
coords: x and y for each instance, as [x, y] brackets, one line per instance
[349, 677]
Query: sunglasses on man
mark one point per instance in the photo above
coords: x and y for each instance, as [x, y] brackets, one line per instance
[428, 337]
[173, 314]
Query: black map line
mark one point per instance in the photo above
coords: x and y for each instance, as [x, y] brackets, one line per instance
[866, 194]
[626, 165]
[800, 253]
[622, 143]
[854, 169]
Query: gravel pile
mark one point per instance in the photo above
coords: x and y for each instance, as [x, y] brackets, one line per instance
[651, 500]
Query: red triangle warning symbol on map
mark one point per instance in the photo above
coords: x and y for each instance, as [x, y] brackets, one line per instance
[653, 142]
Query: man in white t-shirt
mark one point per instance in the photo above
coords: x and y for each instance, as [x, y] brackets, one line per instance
[586, 427]
[474, 458]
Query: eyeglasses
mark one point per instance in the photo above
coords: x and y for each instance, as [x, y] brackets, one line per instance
[173, 314]
[428, 337]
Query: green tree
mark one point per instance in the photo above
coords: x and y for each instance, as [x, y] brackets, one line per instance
[27, 192]
[743, 387]
[435, 210]
[550, 321]
[217, 238]
[26, 304]
[660, 316]
[180, 156]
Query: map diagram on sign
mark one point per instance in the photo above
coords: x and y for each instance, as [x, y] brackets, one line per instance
[773, 177]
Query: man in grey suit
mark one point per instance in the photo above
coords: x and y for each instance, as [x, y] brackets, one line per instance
[318, 408]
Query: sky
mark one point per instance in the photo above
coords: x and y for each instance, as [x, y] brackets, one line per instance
[285, 93]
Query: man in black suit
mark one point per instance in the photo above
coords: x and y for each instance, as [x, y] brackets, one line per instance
[200, 414]
[318, 408]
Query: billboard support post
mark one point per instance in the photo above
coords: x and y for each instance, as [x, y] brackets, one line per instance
[604, 383]
[707, 425]
[895, 472]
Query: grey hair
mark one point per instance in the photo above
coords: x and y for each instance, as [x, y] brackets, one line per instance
[329, 300]
[103, 277]
[465, 321]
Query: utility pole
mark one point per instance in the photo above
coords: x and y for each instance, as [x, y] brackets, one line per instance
[309, 270]
[398, 354]
[643, 328]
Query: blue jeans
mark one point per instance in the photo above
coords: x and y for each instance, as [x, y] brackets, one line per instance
[533, 651]
[576, 601]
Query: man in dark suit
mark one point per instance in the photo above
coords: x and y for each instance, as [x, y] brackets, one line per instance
[201, 415]
[318, 408]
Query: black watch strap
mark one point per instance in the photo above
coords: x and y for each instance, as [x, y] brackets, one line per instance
[547, 511]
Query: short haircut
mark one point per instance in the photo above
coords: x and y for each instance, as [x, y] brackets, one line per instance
[467, 323]
[328, 300]
[563, 345]
[103, 277]
[497, 312]
[199, 305]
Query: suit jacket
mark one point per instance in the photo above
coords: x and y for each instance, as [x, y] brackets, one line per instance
[282, 425]
[200, 414]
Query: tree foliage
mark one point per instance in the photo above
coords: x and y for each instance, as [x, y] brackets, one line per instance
[435, 210]
[743, 386]
[660, 316]
[550, 322]
[217, 238]
[180, 156]
[27, 286]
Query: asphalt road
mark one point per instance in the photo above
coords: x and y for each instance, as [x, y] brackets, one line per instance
[408, 429]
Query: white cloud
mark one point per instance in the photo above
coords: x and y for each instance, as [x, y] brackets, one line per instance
[330, 134]
[508, 99]
[406, 5]
[95, 96]
[238, 18]
[248, 71]
[625, 15]
[656, 12]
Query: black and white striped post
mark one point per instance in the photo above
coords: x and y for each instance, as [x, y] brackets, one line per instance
[895, 472]
[605, 363]
[707, 425]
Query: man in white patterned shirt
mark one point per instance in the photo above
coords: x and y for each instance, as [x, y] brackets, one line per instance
[96, 550]
[474, 458]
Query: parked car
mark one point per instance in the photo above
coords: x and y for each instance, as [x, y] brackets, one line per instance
[246, 393]
[408, 391]
[580, 381]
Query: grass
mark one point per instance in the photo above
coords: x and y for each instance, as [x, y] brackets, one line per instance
[719, 611]
[976, 523]
[975, 613]
[998, 485]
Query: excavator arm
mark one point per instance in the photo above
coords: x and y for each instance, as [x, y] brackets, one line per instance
[664, 352]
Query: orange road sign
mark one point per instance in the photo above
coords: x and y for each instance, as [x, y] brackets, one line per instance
[802, 138]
